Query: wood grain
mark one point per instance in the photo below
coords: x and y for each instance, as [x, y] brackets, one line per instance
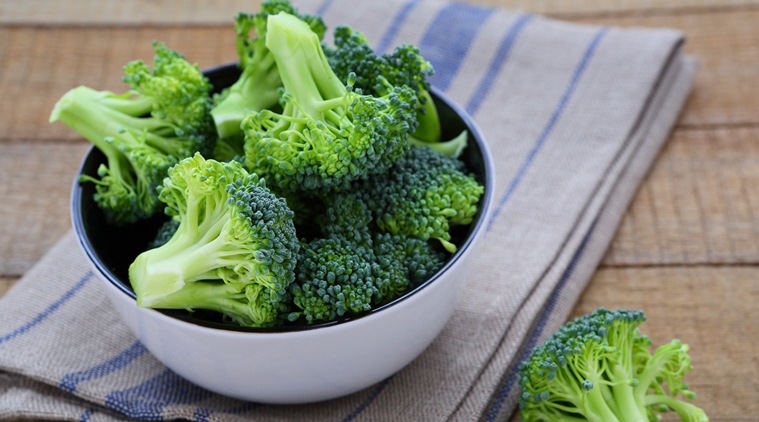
[211, 12]
[724, 93]
[35, 184]
[699, 205]
[6, 283]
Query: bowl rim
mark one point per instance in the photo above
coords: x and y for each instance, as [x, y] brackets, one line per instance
[478, 226]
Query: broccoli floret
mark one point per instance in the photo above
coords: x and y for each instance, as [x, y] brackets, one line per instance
[257, 87]
[408, 261]
[422, 195]
[327, 134]
[345, 214]
[164, 118]
[598, 368]
[351, 269]
[234, 250]
[335, 276]
[403, 66]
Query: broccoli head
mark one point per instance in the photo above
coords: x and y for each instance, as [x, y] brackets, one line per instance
[233, 251]
[422, 195]
[259, 81]
[327, 134]
[598, 367]
[351, 269]
[404, 66]
[164, 118]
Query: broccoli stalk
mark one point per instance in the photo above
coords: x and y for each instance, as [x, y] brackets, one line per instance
[598, 368]
[234, 250]
[257, 87]
[327, 135]
[143, 132]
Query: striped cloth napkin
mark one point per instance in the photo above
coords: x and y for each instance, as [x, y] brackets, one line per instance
[574, 116]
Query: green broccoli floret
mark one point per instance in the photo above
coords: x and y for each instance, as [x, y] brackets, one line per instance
[327, 135]
[407, 260]
[598, 367]
[257, 87]
[350, 269]
[403, 66]
[164, 118]
[422, 195]
[234, 250]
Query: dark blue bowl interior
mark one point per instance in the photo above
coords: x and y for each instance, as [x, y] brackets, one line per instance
[112, 249]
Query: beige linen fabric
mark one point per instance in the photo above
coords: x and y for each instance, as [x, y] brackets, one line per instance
[574, 116]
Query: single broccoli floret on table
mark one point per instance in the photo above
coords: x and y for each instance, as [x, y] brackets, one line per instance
[403, 66]
[327, 134]
[350, 269]
[598, 367]
[164, 118]
[234, 250]
[257, 87]
[422, 195]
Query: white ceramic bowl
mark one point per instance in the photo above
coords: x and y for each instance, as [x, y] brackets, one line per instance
[293, 364]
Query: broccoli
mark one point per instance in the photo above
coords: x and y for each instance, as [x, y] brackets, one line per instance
[327, 135]
[598, 367]
[234, 250]
[351, 269]
[257, 87]
[422, 195]
[403, 66]
[164, 118]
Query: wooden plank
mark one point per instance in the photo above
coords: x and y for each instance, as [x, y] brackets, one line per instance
[699, 204]
[6, 283]
[211, 12]
[724, 91]
[725, 42]
[35, 184]
[693, 304]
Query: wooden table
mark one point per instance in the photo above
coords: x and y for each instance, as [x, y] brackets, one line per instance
[687, 251]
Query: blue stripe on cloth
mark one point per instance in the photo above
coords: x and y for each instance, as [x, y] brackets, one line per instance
[395, 26]
[202, 414]
[368, 400]
[70, 381]
[495, 407]
[48, 311]
[323, 8]
[448, 39]
[501, 56]
[148, 400]
[550, 125]
[86, 415]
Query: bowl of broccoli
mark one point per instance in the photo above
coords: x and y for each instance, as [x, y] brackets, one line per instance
[306, 216]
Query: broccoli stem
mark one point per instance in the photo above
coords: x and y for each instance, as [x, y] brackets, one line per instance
[624, 397]
[429, 122]
[185, 258]
[598, 409]
[255, 90]
[451, 148]
[686, 411]
[302, 64]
